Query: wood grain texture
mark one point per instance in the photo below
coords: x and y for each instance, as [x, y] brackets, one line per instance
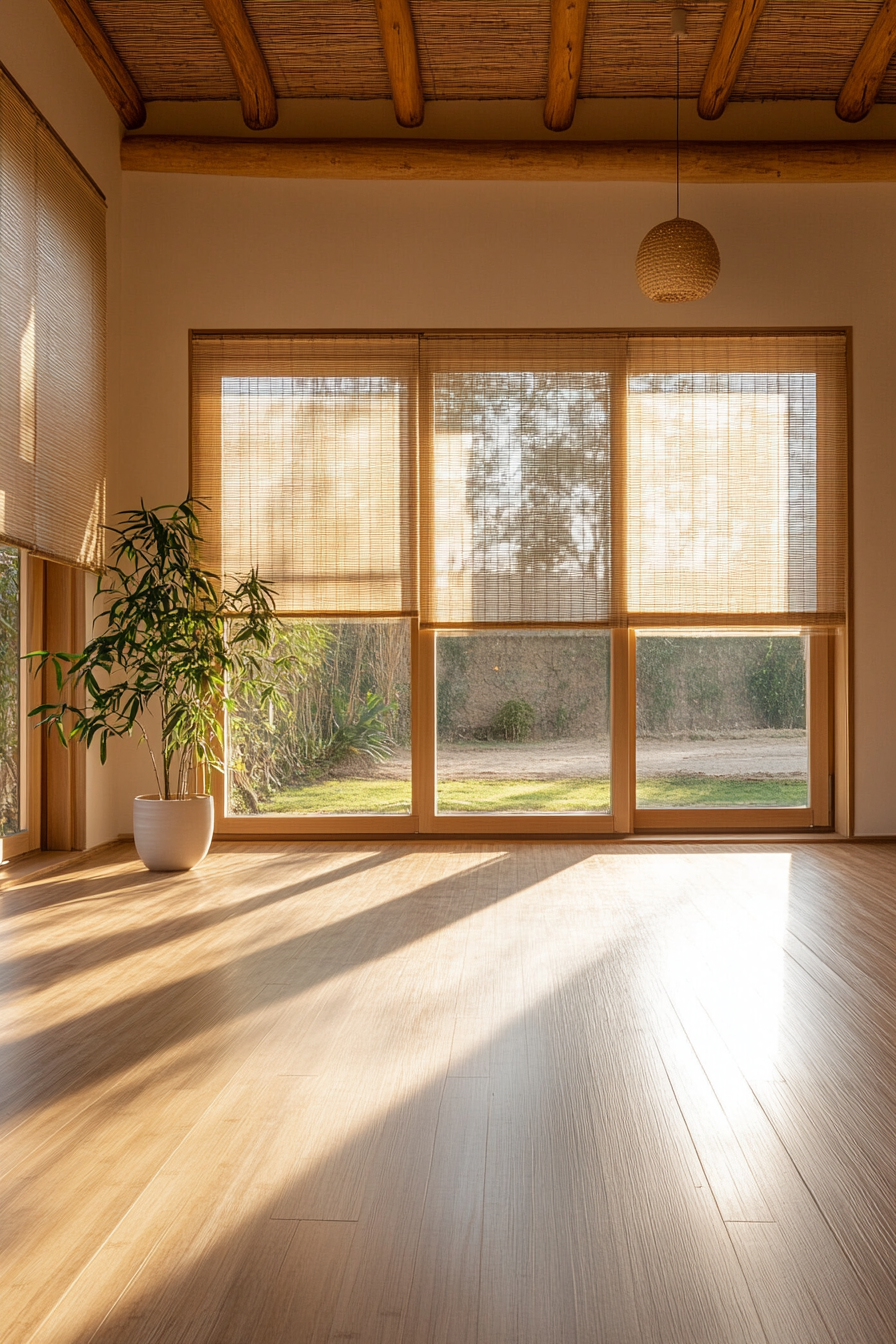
[63, 769]
[250, 70]
[515, 160]
[402, 61]
[568, 19]
[490, 49]
[859, 93]
[452, 1092]
[741, 17]
[112, 74]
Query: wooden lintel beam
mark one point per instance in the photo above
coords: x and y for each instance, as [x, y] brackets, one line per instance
[402, 60]
[568, 18]
[787, 161]
[738, 22]
[250, 70]
[858, 95]
[111, 73]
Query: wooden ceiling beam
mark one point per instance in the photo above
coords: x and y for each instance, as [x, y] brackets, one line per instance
[738, 23]
[250, 69]
[111, 73]
[718, 161]
[402, 61]
[859, 93]
[568, 18]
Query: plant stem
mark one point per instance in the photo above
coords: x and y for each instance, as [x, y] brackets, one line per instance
[152, 757]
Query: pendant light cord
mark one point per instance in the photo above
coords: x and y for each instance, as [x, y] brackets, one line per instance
[677, 142]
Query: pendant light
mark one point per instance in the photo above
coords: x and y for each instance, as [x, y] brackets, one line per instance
[678, 260]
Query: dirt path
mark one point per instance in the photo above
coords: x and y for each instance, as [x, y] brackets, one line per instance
[757, 754]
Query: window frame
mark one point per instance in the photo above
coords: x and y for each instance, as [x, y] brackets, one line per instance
[828, 683]
[816, 815]
[30, 745]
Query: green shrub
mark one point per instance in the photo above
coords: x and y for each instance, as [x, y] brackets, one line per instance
[362, 732]
[451, 691]
[778, 685]
[658, 662]
[514, 721]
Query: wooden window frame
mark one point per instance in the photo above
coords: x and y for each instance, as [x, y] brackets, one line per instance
[817, 815]
[829, 725]
[30, 635]
[824, 694]
[55, 777]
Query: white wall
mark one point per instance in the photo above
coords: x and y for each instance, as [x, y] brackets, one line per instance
[38, 53]
[227, 252]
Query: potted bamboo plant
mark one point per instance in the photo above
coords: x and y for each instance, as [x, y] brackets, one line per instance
[170, 639]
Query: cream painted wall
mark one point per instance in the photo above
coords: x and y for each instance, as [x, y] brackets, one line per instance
[223, 252]
[39, 55]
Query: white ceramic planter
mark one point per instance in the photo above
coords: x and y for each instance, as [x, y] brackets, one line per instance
[173, 834]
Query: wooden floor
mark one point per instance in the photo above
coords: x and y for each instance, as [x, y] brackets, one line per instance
[521, 1094]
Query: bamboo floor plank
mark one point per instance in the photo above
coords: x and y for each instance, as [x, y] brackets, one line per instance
[296, 1303]
[373, 1303]
[87, 1172]
[730, 1178]
[839, 1121]
[393, 1093]
[861, 1212]
[786, 1307]
[155, 1277]
[233, 1062]
[664, 1185]
[444, 1298]
[849, 1311]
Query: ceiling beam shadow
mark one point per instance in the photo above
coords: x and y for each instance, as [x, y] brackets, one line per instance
[738, 24]
[858, 95]
[402, 60]
[568, 19]
[113, 76]
[253, 79]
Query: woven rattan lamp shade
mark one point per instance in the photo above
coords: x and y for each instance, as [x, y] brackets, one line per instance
[677, 262]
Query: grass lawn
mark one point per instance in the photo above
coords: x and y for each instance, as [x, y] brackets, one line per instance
[392, 796]
[524, 795]
[713, 791]
[338, 796]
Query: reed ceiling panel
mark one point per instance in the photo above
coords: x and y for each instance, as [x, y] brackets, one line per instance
[478, 49]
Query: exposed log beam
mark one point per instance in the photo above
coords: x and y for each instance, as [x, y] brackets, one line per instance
[857, 97]
[786, 161]
[568, 19]
[402, 61]
[738, 23]
[112, 74]
[250, 69]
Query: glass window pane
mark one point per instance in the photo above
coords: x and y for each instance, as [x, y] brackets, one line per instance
[338, 738]
[10, 691]
[721, 720]
[523, 722]
[721, 492]
[521, 496]
[329, 450]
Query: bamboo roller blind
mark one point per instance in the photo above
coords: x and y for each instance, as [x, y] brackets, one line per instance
[52, 342]
[563, 479]
[304, 449]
